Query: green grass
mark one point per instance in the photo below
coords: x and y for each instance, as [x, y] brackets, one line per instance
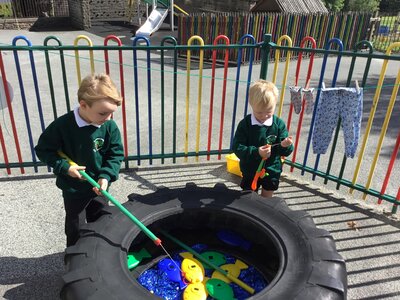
[388, 21]
[5, 10]
[381, 43]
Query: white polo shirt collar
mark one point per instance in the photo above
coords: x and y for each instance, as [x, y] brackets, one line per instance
[254, 121]
[81, 122]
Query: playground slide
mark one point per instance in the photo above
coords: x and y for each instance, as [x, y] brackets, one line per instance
[153, 22]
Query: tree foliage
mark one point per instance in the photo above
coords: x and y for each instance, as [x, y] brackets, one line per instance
[334, 5]
[359, 5]
[364, 5]
[390, 6]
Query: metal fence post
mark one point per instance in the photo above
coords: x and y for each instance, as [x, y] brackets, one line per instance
[265, 50]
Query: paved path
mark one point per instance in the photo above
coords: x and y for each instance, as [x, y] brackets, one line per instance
[32, 239]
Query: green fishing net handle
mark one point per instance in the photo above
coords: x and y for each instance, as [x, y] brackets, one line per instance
[106, 194]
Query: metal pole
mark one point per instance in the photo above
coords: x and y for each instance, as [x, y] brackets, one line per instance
[172, 15]
[266, 48]
[139, 15]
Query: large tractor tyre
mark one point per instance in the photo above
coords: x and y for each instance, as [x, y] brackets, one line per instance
[298, 260]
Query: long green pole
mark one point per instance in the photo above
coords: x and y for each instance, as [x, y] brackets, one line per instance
[106, 194]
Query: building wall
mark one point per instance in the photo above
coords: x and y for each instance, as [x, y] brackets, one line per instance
[107, 9]
[22, 24]
[83, 12]
[79, 12]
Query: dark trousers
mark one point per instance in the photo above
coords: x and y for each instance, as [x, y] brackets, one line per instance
[78, 212]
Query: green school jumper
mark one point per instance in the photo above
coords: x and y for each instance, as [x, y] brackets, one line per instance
[248, 138]
[98, 148]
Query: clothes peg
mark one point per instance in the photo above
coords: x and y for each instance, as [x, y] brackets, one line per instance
[357, 86]
[307, 83]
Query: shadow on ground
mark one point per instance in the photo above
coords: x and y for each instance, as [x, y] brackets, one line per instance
[32, 278]
[366, 237]
[53, 24]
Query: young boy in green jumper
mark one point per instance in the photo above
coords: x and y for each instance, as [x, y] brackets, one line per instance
[262, 135]
[90, 138]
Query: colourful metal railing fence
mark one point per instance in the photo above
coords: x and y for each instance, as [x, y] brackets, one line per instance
[176, 109]
[349, 27]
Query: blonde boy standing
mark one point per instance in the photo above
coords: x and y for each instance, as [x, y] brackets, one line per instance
[91, 138]
[254, 136]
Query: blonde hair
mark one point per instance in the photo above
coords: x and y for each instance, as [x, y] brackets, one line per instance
[98, 87]
[264, 93]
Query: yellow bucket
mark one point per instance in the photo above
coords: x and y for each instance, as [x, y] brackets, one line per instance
[232, 164]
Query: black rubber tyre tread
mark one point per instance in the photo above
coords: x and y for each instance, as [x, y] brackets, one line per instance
[312, 268]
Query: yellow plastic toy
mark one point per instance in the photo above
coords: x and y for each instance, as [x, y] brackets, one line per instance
[195, 291]
[193, 270]
[232, 269]
[232, 164]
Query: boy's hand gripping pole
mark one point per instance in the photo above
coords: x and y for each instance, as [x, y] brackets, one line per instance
[106, 194]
